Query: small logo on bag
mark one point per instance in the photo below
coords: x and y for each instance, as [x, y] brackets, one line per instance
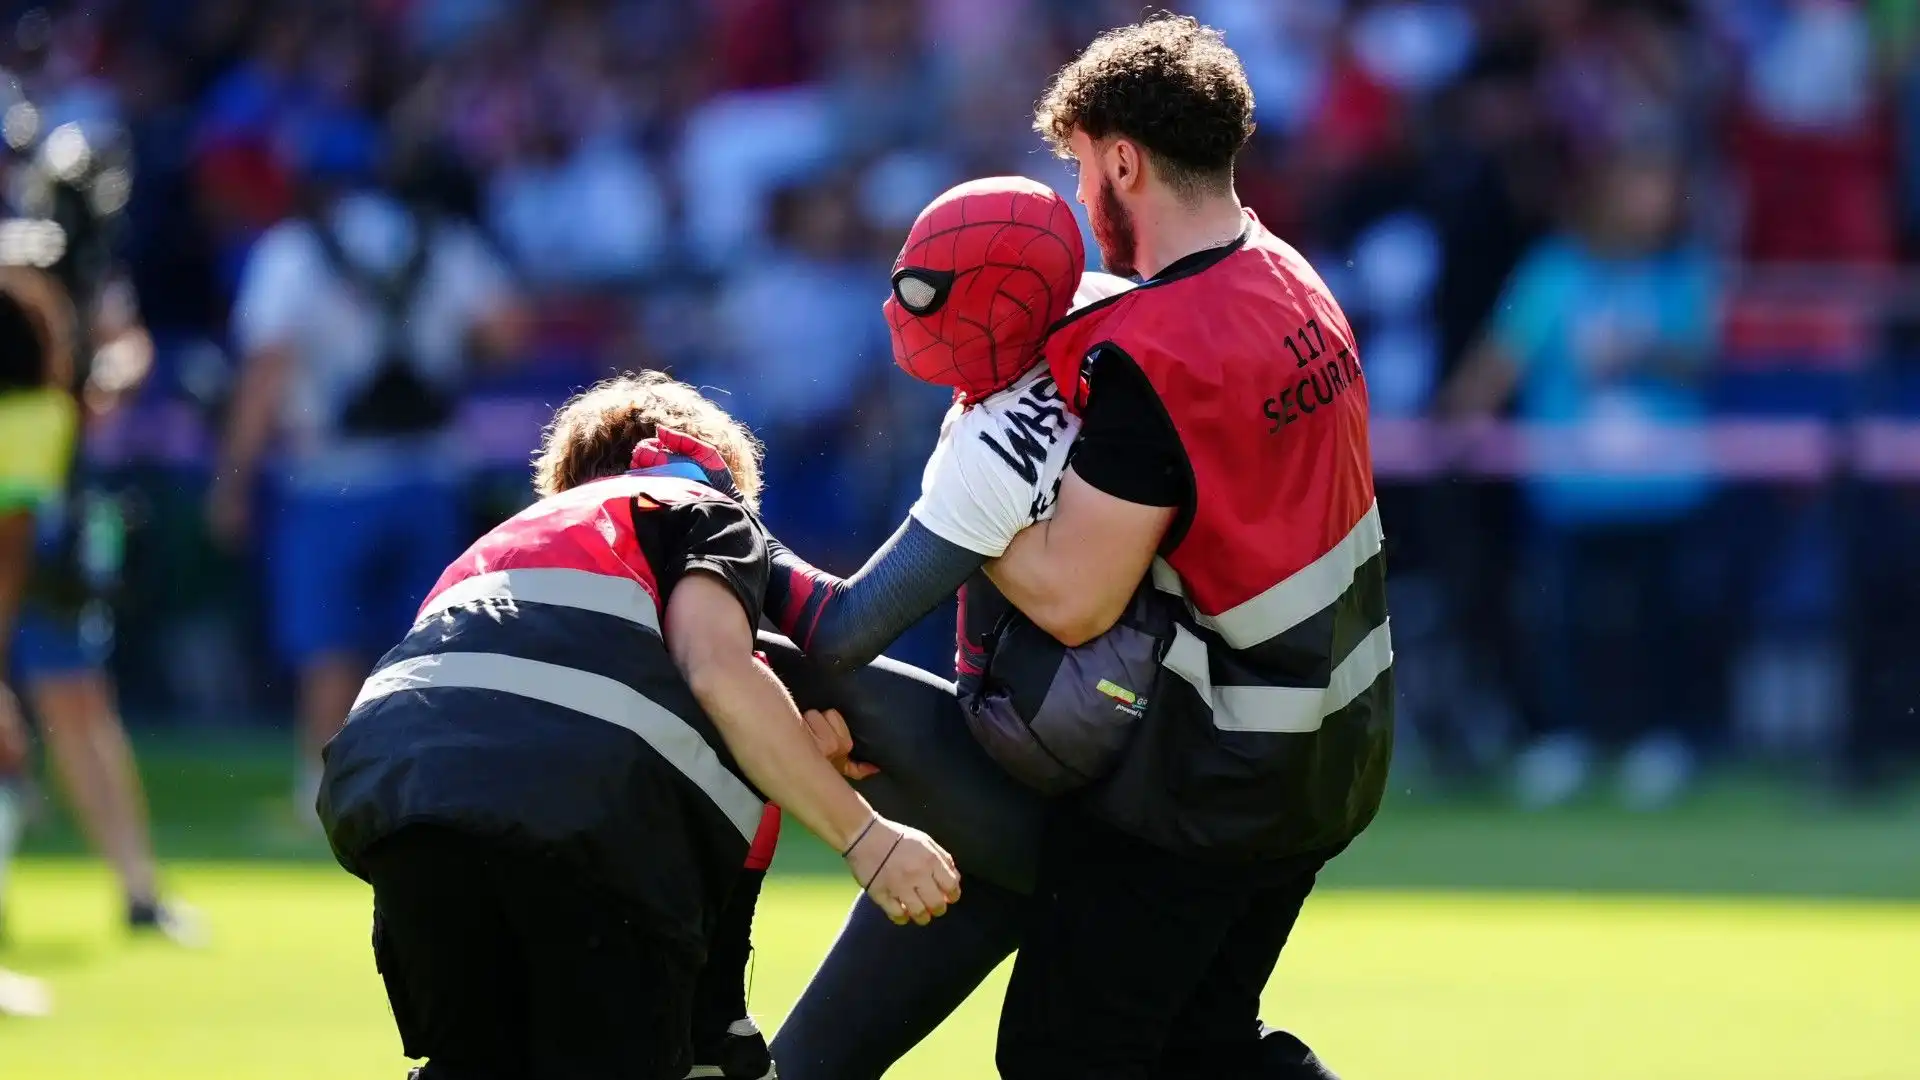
[1124, 699]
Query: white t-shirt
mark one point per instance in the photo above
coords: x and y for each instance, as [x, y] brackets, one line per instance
[290, 297]
[998, 464]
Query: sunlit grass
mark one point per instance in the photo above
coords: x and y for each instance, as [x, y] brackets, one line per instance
[1384, 984]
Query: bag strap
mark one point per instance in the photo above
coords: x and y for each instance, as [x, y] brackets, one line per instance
[393, 293]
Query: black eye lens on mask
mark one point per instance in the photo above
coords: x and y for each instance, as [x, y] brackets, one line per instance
[920, 290]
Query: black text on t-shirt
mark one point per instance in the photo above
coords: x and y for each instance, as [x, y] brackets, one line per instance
[1030, 426]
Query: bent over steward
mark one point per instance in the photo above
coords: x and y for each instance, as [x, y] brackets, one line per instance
[554, 778]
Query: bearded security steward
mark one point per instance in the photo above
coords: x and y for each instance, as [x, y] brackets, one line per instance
[1223, 451]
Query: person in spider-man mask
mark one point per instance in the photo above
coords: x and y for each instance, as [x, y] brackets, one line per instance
[990, 269]
[987, 270]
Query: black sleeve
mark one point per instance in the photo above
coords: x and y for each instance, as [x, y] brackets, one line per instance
[1128, 447]
[843, 624]
[717, 536]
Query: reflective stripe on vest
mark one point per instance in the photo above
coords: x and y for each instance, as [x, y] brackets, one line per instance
[1294, 599]
[1280, 709]
[579, 691]
[622, 598]
[1282, 607]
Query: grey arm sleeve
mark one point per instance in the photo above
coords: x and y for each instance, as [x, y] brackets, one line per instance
[844, 624]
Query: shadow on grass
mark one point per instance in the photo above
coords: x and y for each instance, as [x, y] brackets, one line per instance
[43, 956]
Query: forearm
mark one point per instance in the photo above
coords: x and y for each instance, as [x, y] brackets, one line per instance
[1073, 574]
[797, 591]
[761, 727]
[256, 405]
[1036, 576]
[844, 624]
[16, 559]
[933, 775]
[1483, 384]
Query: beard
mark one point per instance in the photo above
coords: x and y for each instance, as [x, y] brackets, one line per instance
[1113, 231]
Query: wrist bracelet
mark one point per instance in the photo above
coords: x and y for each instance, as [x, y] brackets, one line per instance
[871, 822]
[883, 864]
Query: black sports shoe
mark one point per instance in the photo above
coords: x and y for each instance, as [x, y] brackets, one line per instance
[738, 1054]
[1282, 1054]
[178, 923]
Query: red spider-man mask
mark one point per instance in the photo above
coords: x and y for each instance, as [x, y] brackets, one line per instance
[987, 267]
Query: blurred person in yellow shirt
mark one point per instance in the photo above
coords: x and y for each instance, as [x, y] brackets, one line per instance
[54, 634]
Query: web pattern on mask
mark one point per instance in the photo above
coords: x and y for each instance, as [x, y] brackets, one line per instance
[1015, 265]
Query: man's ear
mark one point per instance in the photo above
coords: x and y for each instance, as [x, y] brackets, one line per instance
[1127, 164]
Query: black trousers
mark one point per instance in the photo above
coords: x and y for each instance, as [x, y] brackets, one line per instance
[1139, 963]
[1882, 621]
[507, 964]
[933, 775]
[883, 988]
[1625, 636]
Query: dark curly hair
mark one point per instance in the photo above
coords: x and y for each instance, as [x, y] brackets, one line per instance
[1168, 83]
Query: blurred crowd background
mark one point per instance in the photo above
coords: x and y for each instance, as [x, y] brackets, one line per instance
[1632, 282]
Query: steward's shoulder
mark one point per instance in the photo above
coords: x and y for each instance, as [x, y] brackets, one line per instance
[1096, 286]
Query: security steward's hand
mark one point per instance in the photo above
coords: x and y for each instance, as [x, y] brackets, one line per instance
[830, 736]
[903, 871]
[667, 444]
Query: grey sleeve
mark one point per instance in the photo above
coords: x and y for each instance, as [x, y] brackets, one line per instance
[843, 624]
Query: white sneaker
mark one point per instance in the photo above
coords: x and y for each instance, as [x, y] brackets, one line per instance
[21, 996]
[1655, 772]
[1551, 771]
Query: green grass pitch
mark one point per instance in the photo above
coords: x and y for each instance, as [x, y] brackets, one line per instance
[1387, 984]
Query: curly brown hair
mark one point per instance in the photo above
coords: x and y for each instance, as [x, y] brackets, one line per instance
[1170, 84]
[593, 435]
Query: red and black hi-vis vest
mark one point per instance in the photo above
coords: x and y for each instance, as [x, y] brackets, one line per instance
[535, 699]
[1272, 723]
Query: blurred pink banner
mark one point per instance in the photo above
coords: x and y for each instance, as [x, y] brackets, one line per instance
[504, 431]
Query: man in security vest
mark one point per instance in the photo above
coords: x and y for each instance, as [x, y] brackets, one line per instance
[1223, 451]
[552, 781]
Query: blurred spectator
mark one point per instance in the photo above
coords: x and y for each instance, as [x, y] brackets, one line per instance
[761, 44]
[585, 214]
[356, 323]
[882, 87]
[1601, 339]
[737, 149]
[1284, 48]
[800, 326]
[1495, 173]
[1620, 72]
[1811, 141]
